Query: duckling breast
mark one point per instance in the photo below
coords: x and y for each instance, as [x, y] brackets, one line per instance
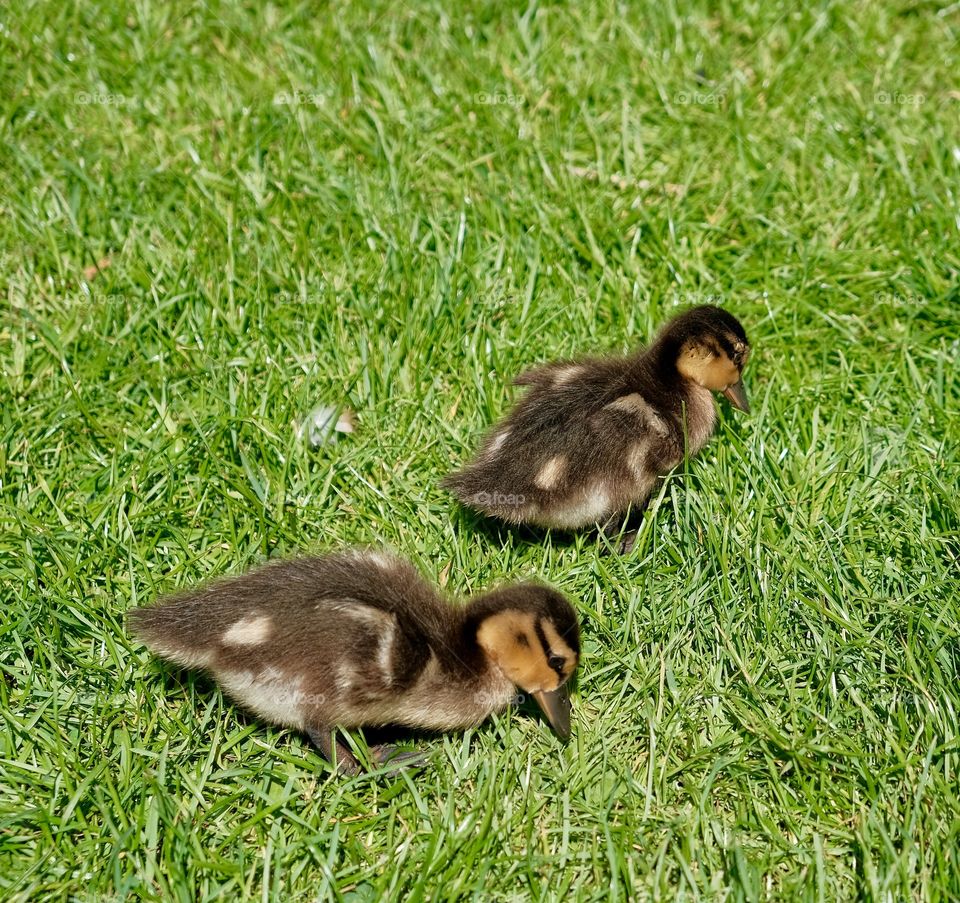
[585, 505]
[438, 701]
[271, 693]
[700, 415]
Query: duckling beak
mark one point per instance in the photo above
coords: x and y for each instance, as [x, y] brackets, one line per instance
[737, 396]
[556, 706]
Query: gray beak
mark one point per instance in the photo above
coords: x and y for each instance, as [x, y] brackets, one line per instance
[556, 706]
[737, 396]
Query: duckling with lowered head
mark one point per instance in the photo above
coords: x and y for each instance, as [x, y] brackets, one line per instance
[591, 437]
[358, 638]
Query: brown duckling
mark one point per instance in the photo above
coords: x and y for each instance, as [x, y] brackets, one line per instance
[358, 638]
[591, 437]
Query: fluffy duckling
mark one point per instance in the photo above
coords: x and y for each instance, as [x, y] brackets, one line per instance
[591, 437]
[358, 638]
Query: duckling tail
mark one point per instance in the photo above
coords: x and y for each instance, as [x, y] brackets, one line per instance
[452, 482]
[463, 484]
[164, 630]
[478, 486]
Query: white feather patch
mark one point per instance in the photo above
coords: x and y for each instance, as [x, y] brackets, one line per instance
[496, 444]
[380, 559]
[249, 631]
[551, 473]
[635, 403]
[637, 458]
[567, 374]
[385, 652]
[366, 614]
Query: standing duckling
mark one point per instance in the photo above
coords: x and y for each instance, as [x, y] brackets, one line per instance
[591, 437]
[358, 638]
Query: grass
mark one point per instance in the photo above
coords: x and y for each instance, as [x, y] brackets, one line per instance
[399, 207]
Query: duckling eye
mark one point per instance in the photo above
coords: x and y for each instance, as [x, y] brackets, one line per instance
[556, 662]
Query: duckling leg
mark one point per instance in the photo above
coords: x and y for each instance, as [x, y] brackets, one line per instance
[628, 541]
[324, 738]
[388, 754]
[613, 528]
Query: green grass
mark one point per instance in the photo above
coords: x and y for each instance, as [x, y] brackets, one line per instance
[769, 694]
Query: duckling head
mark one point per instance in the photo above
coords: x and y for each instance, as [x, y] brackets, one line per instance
[531, 634]
[711, 350]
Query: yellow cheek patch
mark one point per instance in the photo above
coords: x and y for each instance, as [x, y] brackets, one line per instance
[708, 368]
[693, 360]
[510, 639]
[720, 373]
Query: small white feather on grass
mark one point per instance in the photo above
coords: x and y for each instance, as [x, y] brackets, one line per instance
[321, 425]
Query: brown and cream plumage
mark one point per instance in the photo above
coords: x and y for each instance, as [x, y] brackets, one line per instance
[358, 638]
[590, 437]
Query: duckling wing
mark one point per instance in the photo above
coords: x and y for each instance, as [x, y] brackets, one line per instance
[314, 640]
[545, 374]
[558, 374]
[571, 453]
[559, 403]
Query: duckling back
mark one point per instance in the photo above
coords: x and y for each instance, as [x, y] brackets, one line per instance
[581, 443]
[198, 627]
[349, 639]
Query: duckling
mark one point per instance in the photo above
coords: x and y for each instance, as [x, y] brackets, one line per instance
[590, 437]
[358, 638]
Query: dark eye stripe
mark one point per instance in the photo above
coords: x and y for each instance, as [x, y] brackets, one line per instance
[543, 639]
[730, 350]
[555, 662]
[727, 347]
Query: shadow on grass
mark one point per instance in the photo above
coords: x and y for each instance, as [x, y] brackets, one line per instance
[498, 533]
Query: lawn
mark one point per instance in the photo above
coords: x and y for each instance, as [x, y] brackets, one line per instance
[218, 216]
